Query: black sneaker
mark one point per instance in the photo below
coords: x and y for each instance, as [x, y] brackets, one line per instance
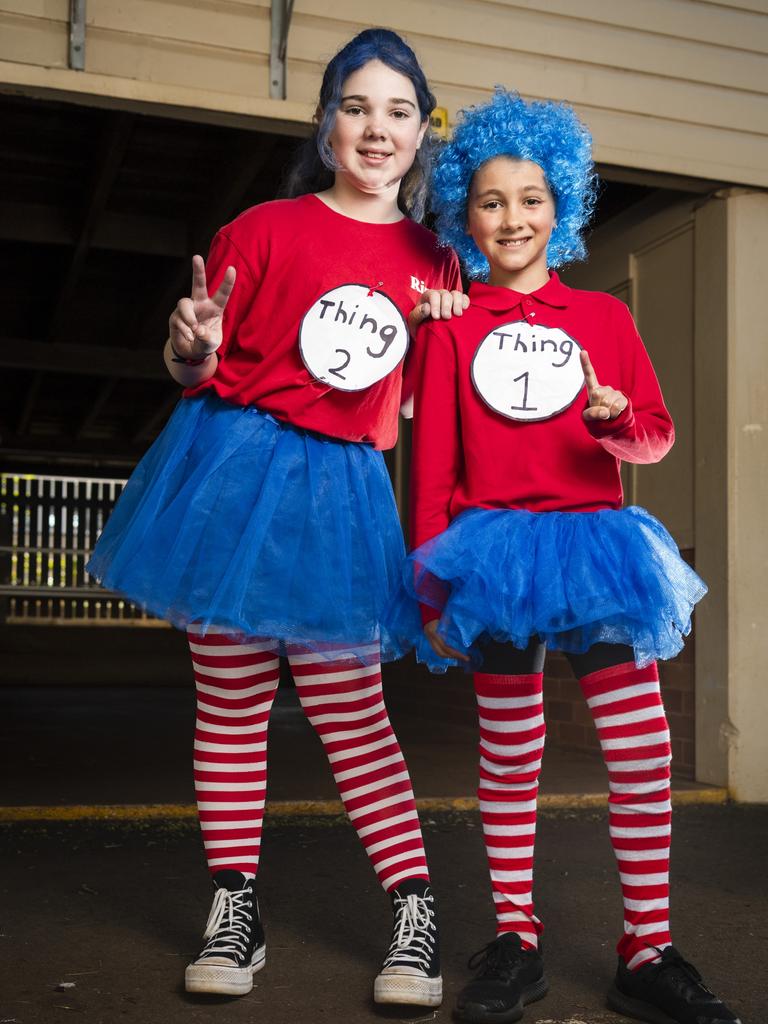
[410, 973]
[668, 992]
[235, 949]
[508, 978]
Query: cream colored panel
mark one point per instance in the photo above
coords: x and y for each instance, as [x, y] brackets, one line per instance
[705, 20]
[663, 290]
[56, 10]
[615, 88]
[758, 6]
[747, 404]
[34, 41]
[525, 35]
[649, 143]
[178, 101]
[177, 63]
[227, 25]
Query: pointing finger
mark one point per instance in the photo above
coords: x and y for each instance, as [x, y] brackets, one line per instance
[590, 376]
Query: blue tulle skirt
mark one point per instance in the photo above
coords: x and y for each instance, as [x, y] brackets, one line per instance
[573, 579]
[235, 520]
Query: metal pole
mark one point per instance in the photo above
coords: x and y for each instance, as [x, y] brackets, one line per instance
[281, 22]
[77, 35]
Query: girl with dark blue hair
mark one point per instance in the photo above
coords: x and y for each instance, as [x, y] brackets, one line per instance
[262, 520]
[524, 410]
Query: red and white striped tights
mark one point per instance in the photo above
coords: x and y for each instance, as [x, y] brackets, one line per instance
[236, 685]
[634, 737]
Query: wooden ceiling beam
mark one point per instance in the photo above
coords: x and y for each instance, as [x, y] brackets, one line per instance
[85, 360]
[68, 450]
[40, 224]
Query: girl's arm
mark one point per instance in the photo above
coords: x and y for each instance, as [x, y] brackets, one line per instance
[202, 325]
[632, 422]
[436, 459]
[195, 328]
[436, 464]
[441, 303]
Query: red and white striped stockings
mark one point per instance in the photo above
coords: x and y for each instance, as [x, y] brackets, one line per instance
[629, 715]
[236, 685]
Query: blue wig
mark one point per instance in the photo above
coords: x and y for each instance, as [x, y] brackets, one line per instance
[548, 134]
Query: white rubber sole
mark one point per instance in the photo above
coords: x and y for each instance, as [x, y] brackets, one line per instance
[216, 979]
[407, 990]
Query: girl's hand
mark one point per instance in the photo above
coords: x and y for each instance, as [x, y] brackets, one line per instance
[195, 324]
[438, 644]
[437, 304]
[605, 403]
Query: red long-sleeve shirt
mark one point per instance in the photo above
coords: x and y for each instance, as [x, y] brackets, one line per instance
[468, 455]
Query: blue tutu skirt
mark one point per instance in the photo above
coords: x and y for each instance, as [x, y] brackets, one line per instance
[235, 520]
[573, 579]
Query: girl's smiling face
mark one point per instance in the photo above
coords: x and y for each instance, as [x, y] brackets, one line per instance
[378, 127]
[510, 216]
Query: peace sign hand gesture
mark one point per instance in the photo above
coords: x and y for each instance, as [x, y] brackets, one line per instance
[605, 403]
[196, 323]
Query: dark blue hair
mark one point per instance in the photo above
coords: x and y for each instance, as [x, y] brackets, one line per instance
[548, 134]
[315, 164]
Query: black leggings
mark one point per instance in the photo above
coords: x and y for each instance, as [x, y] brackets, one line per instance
[507, 660]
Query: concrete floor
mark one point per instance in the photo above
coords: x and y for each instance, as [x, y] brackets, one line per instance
[115, 910]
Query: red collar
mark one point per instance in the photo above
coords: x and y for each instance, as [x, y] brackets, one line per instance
[501, 300]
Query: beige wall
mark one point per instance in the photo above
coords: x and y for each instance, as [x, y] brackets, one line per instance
[694, 273]
[645, 257]
[732, 493]
[668, 85]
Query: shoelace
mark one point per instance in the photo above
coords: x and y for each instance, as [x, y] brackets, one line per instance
[232, 936]
[671, 959]
[413, 936]
[494, 959]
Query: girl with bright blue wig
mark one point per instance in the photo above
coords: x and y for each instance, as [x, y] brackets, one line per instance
[548, 134]
[525, 407]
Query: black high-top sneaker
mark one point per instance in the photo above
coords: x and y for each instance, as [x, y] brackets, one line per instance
[670, 991]
[235, 947]
[508, 977]
[410, 973]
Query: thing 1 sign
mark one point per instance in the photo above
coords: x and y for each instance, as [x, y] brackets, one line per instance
[527, 372]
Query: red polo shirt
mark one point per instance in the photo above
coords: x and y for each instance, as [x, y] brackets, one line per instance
[468, 455]
[288, 255]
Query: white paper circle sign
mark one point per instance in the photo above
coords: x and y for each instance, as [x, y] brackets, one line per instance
[527, 372]
[352, 337]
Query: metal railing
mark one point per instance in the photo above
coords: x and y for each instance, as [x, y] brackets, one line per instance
[48, 528]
